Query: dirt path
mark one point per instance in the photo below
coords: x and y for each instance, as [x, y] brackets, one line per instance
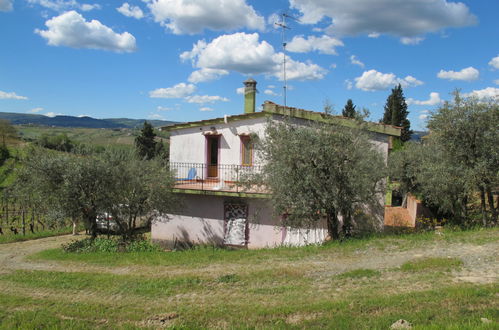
[481, 264]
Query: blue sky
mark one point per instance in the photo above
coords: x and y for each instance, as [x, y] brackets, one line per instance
[184, 60]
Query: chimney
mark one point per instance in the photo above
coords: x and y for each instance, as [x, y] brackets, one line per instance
[249, 95]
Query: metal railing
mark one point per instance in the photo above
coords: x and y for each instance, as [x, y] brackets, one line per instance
[211, 177]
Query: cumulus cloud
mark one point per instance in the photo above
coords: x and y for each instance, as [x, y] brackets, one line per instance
[191, 17]
[72, 30]
[411, 19]
[205, 109]
[411, 41]
[202, 99]
[6, 5]
[484, 94]
[130, 11]
[206, 74]
[494, 62]
[373, 80]
[161, 108]
[270, 92]
[178, 91]
[355, 61]
[433, 100]
[36, 110]
[240, 90]
[423, 116]
[323, 45]
[63, 5]
[244, 53]
[53, 114]
[496, 81]
[467, 74]
[11, 96]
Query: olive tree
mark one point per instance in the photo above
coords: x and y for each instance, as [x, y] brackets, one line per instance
[82, 186]
[320, 172]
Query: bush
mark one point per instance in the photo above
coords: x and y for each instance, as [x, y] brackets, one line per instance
[108, 245]
[4, 154]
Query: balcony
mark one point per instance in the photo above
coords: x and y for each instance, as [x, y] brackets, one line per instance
[214, 178]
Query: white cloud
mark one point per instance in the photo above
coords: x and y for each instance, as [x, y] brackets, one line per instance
[423, 116]
[485, 94]
[160, 108]
[72, 30]
[323, 45]
[411, 41]
[202, 99]
[6, 5]
[130, 11]
[354, 60]
[63, 5]
[206, 74]
[35, 110]
[205, 109]
[53, 114]
[240, 90]
[155, 116]
[496, 81]
[433, 100]
[270, 92]
[373, 35]
[83, 116]
[178, 91]
[348, 84]
[191, 17]
[12, 96]
[494, 62]
[373, 80]
[467, 74]
[244, 53]
[364, 17]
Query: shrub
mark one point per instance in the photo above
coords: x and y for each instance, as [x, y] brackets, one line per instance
[108, 245]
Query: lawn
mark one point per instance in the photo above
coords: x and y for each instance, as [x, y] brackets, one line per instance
[360, 284]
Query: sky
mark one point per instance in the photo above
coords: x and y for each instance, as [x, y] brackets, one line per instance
[186, 60]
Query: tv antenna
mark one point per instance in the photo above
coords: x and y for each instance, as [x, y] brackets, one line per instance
[284, 27]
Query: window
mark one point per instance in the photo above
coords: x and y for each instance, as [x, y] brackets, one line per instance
[246, 151]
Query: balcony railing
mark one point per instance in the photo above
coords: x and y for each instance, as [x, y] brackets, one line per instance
[214, 177]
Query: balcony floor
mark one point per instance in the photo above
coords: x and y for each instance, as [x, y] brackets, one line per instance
[216, 185]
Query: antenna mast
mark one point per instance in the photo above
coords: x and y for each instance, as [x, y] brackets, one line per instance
[283, 26]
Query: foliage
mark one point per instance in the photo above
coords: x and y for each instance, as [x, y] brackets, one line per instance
[423, 264]
[320, 172]
[456, 162]
[60, 142]
[4, 154]
[396, 112]
[349, 110]
[145, 143]
[83, 185]
[328, 107]
[107, 245]
[7, 131]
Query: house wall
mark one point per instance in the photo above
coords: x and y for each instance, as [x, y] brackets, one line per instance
[188, 145]
[201, 221]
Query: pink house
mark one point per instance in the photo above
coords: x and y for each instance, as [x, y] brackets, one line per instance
[208, 157]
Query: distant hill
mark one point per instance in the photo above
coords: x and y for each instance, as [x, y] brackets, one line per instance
[70, 121]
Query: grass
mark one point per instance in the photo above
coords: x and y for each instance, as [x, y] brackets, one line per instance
[284, 288]
[424, 264]
[10, 237]
[207, 255]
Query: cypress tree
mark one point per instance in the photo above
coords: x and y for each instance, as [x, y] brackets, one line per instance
[349, 110]
[396, 112]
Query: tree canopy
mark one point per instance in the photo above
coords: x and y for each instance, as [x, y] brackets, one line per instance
[396, 112]
[321, 172]
[349, 110]
[457, 161]
[145, 142]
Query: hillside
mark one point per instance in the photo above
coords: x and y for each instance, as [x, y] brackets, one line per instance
[84, 122]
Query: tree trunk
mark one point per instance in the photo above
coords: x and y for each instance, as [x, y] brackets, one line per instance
[347, 224]
[75, 223]
[492, 207]
[332, 225]
[483, 206]
[24, 222]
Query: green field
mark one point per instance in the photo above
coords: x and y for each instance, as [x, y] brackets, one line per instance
[446, 281]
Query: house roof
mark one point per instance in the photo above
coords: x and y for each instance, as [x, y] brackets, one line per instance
[271, 108]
